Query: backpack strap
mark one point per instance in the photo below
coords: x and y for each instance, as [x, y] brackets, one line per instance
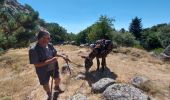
[51, 47]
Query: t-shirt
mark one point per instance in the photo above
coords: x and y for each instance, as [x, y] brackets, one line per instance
[39, 54]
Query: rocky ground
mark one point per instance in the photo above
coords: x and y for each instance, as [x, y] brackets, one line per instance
[125, 66]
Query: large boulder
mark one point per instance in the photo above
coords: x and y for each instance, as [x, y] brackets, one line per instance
[79, 96]
[124, 92]
[102, 84]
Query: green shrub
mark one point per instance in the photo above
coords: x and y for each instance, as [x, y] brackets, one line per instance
[124, 39]
[1, 51]
[158, 50]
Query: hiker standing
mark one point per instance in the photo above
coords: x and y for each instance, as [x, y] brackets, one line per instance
[45, 59]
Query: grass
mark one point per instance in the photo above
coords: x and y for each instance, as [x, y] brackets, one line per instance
[14, 59]
[158, 50]
[18, 78]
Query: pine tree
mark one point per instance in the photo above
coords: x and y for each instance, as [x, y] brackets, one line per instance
[136, 27]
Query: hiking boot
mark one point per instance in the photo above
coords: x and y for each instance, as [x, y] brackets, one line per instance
[57, 88]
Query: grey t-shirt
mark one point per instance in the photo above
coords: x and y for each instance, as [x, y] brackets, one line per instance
[46, 53]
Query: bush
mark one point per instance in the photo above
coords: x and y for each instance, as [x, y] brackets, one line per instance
[158, 50]
[1, 50]
[164, 38]
[124, 39]
[150, 40]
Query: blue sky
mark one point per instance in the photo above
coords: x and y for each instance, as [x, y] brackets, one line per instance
[76, 15]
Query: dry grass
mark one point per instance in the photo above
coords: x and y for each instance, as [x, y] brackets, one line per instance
[18, 80]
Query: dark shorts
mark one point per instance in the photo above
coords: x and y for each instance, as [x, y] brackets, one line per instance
[44, 76]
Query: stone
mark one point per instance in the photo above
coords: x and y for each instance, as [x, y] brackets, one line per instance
[101, 85]
[79, 96]
[124, 92]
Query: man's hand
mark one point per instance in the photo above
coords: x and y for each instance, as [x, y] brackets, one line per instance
[54, 59]
[66, 58]
[48, 61]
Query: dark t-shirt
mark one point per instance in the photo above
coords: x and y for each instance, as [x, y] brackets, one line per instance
[39, 54]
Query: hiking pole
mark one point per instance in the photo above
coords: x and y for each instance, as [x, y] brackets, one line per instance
[51, 97]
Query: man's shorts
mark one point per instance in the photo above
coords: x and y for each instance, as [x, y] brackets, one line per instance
[44, 76]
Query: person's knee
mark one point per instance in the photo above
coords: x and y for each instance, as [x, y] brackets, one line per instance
[46, 87]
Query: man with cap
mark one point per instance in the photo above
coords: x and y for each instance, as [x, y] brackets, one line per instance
[44, 57]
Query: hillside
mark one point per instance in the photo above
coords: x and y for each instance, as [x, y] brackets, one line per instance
[18, 80]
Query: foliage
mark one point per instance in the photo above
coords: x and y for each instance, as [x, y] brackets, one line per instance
[164, 35]
[157, 36]
[16, 29]
[2, 2]
[27, 6]
[158, 50]
[124, 39]
[1, 50]
[150, 40]
[58, 33]
[102, 29]
[70, 37]
[122, 30]
[136, 27]
[3, 40]
[82, 37]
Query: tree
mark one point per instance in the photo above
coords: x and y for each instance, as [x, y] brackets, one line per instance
[136, 27]
[122, 30]
[58, 33]
[102, 29]
[82, 37]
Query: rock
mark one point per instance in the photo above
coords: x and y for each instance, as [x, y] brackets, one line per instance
[101, 85]
[80, 76]
[143, 83]
[14, 7]
[124, 92]
[79, 96]
[139, 81]
[167, 50]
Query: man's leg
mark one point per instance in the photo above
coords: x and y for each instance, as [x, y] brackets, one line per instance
[45, 83]
[57, 83]
[47, 89]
